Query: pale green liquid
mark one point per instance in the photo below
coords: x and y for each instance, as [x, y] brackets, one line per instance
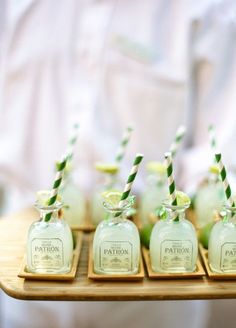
[173, 247]
[116, 247]
[222, 248]
[49, 247]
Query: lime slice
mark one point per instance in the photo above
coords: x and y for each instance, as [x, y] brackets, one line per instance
[112, 197]
[110, 168]
[182, 198]
[156, 167]
[214, 169]
[43, 197]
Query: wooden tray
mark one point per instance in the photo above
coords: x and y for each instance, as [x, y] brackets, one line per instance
[115, 277]
[23, 273]
[199, 273]
[211, 274]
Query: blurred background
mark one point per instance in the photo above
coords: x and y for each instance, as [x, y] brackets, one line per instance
[154, 64]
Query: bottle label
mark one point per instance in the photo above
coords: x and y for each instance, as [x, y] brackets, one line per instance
[228, 257]
[116, 256]
[47, 253]
[176, 254]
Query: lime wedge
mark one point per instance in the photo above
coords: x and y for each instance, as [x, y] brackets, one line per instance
[112, 197]
[107, 167]
[214, 169]
[182, 198]
[156, 167]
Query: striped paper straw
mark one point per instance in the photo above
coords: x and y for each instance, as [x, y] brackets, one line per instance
[178, 138]
[57, 182]
[170, 177]
[124, 142]
[72, 141]
[212, 137]
[225, 182]
[131, 178]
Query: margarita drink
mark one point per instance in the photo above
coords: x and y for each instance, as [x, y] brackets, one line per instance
[49, 243]
[222, 244]
[173, 243]
[116, 244]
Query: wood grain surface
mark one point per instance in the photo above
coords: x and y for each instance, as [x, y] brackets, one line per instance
[13, 231]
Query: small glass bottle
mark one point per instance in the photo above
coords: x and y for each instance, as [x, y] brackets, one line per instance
[116, 244]
[49, 244]
[173, 243]
[110, 183]
[75, 204]
[222, 243]
[209, 198]
[155, 192]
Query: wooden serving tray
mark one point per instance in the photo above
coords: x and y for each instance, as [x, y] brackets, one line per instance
[199, 273]
[23, 273]
[211, 274]
[115, 277]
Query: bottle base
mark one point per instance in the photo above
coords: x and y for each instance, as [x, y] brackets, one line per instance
[49, 271]
[173, 270]
[216, 270]
[110, 272]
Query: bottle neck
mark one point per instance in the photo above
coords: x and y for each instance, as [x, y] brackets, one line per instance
[230, 214]
[116, 215]
[49, 216]
[176, 213]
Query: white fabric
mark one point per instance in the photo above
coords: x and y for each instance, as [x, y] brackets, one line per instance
[175, 64]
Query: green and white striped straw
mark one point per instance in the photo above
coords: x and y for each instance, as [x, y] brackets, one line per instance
[212, 137]
[72, 141]
[124, 142]
[138, 159]
[57, 182]
[170, 177]
[225, 182]
[178, 138]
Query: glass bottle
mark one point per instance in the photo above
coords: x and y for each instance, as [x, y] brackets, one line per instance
[173, 243]
[156, 191]
[110, 183]
[75, 204]
[222, 243]
[49, 244]
[116, 244]
[209, 199]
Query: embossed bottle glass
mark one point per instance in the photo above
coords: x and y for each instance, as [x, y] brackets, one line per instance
[222, 243]
[49, 244]
[173, 243]
[116, 244]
